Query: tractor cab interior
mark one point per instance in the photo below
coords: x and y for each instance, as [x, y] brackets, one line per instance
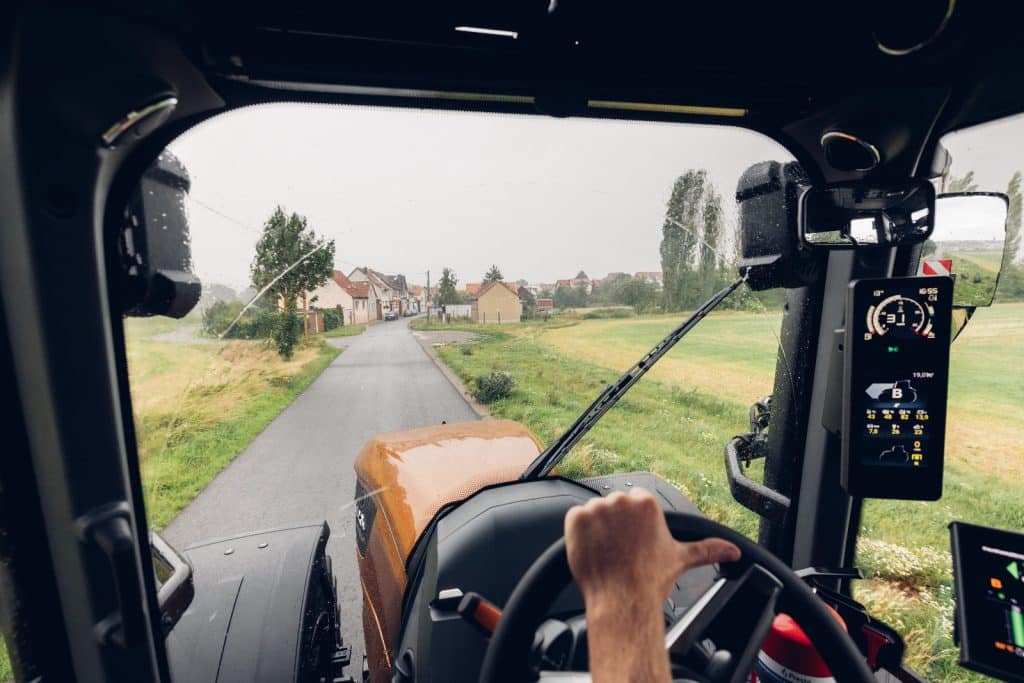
[877, 247]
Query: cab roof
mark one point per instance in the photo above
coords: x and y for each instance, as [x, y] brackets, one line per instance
[896, 73]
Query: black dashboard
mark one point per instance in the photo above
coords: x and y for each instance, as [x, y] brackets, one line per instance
[484, 545]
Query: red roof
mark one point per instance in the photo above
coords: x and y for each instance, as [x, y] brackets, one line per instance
[473, 287]
[341, 279]
[356, 290]
[491, 285]
[359, 290]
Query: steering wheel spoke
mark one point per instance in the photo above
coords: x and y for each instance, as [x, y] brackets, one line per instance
[719, 637]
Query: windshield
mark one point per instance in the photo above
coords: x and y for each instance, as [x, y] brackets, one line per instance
[422, 267]
[372, 270]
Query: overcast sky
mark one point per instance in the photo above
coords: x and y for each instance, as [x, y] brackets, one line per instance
[405, 191]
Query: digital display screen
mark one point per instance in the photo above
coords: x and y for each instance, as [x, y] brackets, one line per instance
[988, 569]
[896, 358]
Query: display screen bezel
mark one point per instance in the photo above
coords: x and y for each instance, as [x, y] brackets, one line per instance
[966, 541]
[873, 481]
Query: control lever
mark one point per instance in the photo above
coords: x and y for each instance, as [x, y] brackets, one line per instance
[482, 614]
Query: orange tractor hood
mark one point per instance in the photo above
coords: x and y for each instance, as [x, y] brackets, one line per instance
[413, 474]
[403, 479]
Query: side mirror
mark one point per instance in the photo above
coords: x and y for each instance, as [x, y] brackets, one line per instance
[850, 215]
[968, 242]
[174, 586]
[154, 246]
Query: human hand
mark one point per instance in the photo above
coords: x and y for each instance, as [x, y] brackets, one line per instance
[619, 548]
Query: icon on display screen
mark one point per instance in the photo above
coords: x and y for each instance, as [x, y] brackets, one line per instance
[893, 392]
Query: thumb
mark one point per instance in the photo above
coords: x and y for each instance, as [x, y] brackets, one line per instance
[707, 551]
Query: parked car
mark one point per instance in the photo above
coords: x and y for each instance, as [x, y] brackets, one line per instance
[390, 315]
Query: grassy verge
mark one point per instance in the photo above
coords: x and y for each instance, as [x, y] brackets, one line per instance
[199, 405]
[676, 422]
[345, 331]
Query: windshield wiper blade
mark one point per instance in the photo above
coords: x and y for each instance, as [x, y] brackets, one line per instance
[561, 446]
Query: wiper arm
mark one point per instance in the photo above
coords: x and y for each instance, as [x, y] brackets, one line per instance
[561, 446]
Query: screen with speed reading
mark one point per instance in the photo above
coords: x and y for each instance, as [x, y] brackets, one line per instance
[896, 368]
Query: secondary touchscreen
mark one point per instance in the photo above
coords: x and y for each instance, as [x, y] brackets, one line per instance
[989, 574]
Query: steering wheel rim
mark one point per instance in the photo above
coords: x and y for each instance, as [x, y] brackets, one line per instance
[506, 658]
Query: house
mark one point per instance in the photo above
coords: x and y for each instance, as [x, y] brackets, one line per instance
[417, 298]
[473, 288]
[357, 302]
[575, 282]
[496, 302]
[545, 304]
[652, 276]
[392, 291]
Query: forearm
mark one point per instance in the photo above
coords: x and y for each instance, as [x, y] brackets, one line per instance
[626, 640]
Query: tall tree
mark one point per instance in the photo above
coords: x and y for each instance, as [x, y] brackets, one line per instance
[493, 274]
[1013, 219]
[529, 302]
[964, 184]
[693, 215]
[291, 259]
[582, 276]
[446, 293]
[708, 258]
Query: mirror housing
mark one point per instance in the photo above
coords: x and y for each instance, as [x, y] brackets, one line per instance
[850, 215]
[154, 245]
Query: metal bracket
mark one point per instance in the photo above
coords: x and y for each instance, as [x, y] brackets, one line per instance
[766, 502]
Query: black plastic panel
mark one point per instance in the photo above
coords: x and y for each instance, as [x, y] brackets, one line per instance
[488, 542]
[264, 609]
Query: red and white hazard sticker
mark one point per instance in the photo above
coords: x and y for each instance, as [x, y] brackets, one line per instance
[939, 266]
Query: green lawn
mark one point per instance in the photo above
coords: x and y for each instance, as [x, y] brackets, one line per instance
[345, 331]
[676, 421]
[199, 405]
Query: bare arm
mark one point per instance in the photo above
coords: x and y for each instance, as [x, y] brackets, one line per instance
[625, 562]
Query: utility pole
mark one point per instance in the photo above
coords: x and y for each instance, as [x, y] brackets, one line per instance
[428, 296]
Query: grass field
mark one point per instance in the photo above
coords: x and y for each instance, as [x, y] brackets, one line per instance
[676, 421]
[198, 405]
[345, 331]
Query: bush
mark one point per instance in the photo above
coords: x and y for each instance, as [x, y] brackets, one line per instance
[466, 350]
[286, 332]
[333, 318]
[493, 387]
[609, 312]
[257, 323]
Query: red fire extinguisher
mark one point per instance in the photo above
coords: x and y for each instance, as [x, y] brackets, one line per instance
[788, 656]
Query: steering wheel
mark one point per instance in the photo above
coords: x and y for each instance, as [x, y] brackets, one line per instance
[741, 605]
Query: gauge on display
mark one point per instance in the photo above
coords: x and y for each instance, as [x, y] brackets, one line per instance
[899, 314]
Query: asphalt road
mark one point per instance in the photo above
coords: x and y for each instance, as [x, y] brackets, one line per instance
[300, 468]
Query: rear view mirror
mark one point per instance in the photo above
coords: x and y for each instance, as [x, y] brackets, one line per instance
[849, 215]
[968, 243]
